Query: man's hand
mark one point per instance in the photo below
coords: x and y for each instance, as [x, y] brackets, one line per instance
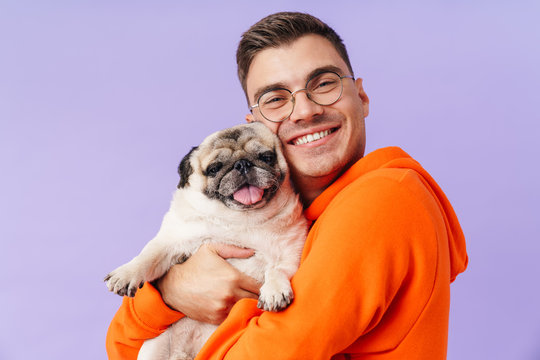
[205, 287]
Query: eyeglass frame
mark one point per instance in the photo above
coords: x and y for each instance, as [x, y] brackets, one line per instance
[293, 93]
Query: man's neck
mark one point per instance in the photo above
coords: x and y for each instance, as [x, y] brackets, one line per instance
[310, 187]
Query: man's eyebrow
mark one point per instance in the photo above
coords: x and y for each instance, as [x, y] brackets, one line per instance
[323, 69]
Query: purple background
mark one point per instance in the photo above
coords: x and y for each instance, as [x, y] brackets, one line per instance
[99, 101]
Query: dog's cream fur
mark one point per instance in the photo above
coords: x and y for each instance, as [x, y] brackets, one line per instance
[200, 212]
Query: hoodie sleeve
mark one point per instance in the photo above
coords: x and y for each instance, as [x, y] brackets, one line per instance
[142, 317]
[371, 265]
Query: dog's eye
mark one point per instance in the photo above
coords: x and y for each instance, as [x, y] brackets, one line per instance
[268, 157]
[213, 169]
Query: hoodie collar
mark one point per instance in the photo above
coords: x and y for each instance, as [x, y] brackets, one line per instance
[368, 163]
[394, 157]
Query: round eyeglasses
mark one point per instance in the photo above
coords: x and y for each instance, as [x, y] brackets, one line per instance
[324, 89]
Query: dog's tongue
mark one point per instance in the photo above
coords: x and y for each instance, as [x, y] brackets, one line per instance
[249, 195]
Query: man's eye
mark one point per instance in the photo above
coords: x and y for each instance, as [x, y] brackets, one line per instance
[268, 157]
[274, 101]
[213, 169]
[325, 85]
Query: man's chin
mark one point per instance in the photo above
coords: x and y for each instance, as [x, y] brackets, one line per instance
[315, 168]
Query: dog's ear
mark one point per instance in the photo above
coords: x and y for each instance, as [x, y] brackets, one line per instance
[185, 169]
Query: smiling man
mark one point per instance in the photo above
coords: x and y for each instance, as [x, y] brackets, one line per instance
[385, 244]
[320, 141]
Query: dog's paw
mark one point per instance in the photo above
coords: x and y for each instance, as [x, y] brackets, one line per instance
[275, 295]
[125, 280]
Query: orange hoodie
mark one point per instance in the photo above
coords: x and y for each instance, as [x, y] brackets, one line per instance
[373, 282]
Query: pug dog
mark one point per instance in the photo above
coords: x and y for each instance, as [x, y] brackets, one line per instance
[234, 188]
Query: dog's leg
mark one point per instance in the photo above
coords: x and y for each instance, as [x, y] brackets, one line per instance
[153, 262]
[188, 337]
[158, 348]
[276, 292]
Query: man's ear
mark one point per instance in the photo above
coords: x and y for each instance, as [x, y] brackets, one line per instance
[250, 118]
[185, 169]
[363, 96]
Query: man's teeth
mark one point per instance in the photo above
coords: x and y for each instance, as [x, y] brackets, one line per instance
[311, 137]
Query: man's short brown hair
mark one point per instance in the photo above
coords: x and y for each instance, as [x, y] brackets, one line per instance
[279, 29]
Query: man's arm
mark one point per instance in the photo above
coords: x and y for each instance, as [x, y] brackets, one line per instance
[217, 286]
[142, 317]
[375, 248]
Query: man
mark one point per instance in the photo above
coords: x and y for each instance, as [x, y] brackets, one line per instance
[385, 244]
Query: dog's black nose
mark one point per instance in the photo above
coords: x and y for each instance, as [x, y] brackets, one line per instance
[243, 166]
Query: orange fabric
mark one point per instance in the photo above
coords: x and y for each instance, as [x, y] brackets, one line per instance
[374, 278]
[142, 317]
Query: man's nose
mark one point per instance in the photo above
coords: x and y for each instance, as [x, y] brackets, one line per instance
[304, 108]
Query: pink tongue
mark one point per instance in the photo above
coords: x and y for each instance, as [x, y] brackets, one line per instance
[248, 195]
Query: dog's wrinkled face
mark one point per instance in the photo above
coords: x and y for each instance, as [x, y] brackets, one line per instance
[242, 167]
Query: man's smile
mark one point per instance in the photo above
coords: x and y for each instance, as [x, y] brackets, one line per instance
[311, 137]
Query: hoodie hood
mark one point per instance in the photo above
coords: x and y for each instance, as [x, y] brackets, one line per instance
[394, 157]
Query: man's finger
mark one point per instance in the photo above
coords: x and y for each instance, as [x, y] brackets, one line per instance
[242, 294]
[231, 251]
[249, 284]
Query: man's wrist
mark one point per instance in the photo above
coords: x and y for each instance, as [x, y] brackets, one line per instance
[151, 310]
[158, 285]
